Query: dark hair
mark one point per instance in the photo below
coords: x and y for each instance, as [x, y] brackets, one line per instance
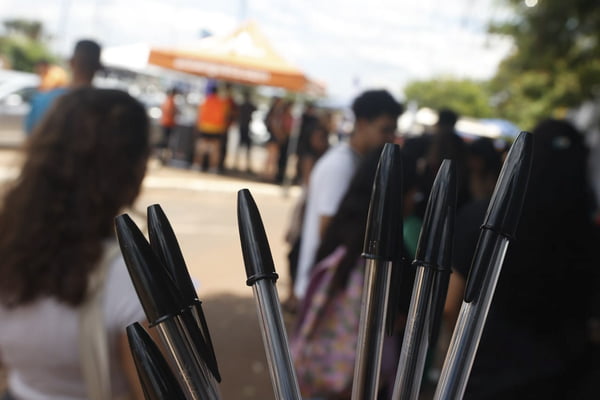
[87, 55]
[349, 223]
[484, 149]
[447, 117]
[84, 162]
[375, 103]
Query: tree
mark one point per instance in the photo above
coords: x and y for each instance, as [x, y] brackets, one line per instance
[31, 29]
[555, 63]
[466, 97]
[23, 45]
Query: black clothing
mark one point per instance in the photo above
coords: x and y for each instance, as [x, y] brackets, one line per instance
[307, 124]
[245, 140]
[245, 111]
[533, 343]
[434, 148]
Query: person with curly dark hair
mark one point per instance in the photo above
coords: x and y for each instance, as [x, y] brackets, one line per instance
[83, 164]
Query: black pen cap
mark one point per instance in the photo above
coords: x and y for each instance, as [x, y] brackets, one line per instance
[434, 249]
[435, 240]
[504, 210]
[165, 246]
[255, 246]
[155, 289]
[383, 236]
[156, 378]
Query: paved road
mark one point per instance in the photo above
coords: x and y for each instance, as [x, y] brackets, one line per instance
[202, 210]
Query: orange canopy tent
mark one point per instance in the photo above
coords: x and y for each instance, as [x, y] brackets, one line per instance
[244, 56]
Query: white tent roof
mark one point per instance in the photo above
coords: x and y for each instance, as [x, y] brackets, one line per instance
[132, 57]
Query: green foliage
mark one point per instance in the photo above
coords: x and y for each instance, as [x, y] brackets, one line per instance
[30, 29]
[22, 46]
[468, 98]
[556, 61]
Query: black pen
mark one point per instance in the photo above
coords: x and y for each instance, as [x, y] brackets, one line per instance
[163, 307]
[164, 243]
[498, 229]
[432, 262]
[156, 378]
[382, 250]
[261, 275]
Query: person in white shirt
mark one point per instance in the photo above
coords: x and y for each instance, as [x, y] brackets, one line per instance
[82, 166]
[375, 113]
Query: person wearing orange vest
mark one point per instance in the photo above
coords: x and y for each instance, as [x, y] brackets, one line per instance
[212, 124]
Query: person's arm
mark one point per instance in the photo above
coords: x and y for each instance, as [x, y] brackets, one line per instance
[295, 225]
[456, 291]
[324, 221]
[306, 165]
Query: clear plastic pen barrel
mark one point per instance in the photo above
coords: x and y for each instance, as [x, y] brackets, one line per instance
[371, 333]
[416, 338]
[468, 330]
[275, 340]
[195, 380]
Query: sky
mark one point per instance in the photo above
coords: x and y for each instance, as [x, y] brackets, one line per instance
[349, 45]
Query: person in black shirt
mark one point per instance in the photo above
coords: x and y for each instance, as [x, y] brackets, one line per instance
[244, 118]
[443, 143]
[534, 341]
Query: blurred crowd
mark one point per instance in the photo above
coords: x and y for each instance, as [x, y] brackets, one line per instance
[85, 159]
[541, 336]
[229, 113]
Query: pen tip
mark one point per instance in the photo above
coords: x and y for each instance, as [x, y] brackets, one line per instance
[504, 211]
[255, 245]
[154, 287]
[157, 380]
[383, 235]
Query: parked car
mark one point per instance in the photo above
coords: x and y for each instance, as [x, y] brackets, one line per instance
[16, 90]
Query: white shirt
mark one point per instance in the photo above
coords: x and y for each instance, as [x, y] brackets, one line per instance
[327, 185]
[39, 341]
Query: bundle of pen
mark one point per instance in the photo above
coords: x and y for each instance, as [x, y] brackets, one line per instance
[384, 272]
[168, 297]
[432, 263]
[499, 226]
